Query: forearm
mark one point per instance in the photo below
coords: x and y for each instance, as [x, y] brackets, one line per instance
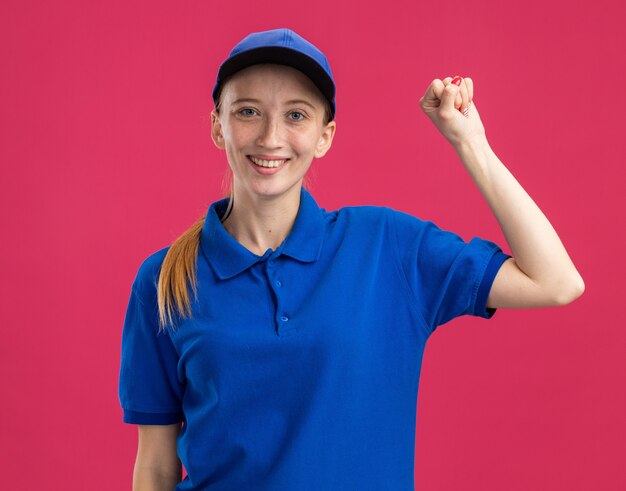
[534, 243]
[151, 479]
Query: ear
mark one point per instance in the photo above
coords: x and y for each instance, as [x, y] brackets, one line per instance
[326, 139]
[216, 130]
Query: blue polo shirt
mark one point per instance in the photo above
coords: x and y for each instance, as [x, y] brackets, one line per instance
[299, 369]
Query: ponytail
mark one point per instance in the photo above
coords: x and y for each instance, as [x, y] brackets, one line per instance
[178, 271]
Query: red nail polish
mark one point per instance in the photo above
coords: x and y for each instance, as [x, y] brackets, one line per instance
[457, 80]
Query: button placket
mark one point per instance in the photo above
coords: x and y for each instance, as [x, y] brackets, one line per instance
[281, 317]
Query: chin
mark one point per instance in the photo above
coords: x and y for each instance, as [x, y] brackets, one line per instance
[270, 190]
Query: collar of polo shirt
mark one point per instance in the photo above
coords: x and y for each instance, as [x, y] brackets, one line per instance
[228, 257]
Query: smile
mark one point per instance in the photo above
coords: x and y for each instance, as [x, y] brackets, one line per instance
[268, 163]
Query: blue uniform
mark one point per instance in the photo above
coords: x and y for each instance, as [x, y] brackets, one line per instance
[300, 368]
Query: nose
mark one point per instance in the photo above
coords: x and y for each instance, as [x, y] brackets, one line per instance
[269, 135]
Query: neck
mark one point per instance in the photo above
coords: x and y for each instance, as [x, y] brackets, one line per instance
[261, 223]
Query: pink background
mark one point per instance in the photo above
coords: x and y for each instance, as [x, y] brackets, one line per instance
[106, 157]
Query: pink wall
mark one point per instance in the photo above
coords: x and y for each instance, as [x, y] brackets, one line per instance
[105, 157]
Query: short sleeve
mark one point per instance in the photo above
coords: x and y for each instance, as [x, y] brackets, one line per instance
[447, 276]
[149, 389]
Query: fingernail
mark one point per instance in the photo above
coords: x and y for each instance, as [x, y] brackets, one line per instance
[457, 80]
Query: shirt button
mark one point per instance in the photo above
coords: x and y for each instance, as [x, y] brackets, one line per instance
[284, 318]
[278, 283]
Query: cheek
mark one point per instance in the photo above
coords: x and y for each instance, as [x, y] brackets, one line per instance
[305, 142]
[235, 138]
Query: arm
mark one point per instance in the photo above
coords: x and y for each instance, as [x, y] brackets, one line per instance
[540, 274]
[157, 467]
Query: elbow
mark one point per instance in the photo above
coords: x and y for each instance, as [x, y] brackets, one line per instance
[572, 289]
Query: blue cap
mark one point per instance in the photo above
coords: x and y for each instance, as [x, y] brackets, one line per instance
[284, 47]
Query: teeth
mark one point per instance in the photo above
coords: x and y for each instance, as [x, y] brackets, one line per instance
[267, 163]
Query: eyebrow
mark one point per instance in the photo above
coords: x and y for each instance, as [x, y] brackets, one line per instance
[292, 101]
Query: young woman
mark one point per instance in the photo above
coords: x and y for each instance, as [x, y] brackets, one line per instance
[295, 363]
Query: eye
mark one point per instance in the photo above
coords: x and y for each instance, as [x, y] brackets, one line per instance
[298, 114]
[246, 111]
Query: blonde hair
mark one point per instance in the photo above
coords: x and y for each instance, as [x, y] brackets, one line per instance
[178, 271]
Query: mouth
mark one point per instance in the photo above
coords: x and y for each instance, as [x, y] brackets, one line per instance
[269, 164]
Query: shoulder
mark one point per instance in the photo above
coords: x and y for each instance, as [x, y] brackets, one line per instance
[362, 214]
[147, 277]
[359, 222]
[396, 219]
[374, 218]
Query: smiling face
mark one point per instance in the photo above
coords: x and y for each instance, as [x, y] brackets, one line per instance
[271, 125]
